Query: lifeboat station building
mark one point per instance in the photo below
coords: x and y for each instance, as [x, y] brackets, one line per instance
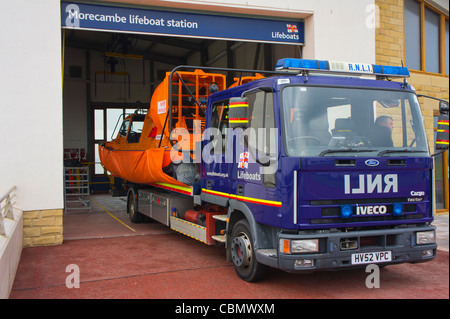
[71, 69]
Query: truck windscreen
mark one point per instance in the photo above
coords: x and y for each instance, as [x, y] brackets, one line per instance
[326, 121]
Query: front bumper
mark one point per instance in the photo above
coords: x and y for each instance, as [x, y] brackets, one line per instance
[335, 252]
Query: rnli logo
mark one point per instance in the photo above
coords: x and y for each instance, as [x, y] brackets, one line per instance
[243, 160]
[291, 34]
[292, 28]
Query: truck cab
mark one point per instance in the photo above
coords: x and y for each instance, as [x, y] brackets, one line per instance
[324, 167]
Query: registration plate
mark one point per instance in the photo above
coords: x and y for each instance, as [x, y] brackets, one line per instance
[371, 258]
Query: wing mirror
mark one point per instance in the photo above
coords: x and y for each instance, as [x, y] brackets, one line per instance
[442, 128]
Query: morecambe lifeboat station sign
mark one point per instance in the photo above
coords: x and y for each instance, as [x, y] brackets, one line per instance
[183, 24]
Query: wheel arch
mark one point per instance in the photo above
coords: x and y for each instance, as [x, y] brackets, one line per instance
[264, 236]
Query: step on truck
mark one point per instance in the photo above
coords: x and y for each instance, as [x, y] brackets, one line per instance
[317, 165]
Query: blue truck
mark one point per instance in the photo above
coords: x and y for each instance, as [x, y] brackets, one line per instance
[322, 165]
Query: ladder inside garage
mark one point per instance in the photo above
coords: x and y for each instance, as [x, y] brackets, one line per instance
[76, 189]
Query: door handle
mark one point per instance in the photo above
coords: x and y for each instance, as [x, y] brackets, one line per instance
[240, 190]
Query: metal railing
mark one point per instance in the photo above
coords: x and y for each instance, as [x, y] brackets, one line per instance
[6, 209]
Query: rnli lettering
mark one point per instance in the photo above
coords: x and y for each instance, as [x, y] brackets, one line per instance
[368, 184]
[371, 210]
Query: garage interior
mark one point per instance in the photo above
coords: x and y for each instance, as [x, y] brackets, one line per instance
[110, 74]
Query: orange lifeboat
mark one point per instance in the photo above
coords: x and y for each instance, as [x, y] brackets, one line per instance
[140, 153]
[246, 79]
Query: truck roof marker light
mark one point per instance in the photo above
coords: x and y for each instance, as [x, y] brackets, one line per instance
[398, 209]
[301, 64]
[346, 211]
[341, 67]
[392, 71]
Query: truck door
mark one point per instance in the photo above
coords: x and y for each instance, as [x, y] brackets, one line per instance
[216, 165]
[255, 172]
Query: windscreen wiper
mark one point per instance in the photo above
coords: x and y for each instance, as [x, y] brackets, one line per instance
[400, 151]
[345, 150]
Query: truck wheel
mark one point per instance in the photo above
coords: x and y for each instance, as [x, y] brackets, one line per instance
[135, 216]
[243, 254]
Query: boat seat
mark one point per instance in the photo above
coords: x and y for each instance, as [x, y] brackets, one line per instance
[133, 137]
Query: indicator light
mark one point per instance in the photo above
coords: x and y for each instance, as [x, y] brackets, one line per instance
[299, 246]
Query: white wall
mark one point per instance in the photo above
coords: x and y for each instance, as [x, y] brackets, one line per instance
[341, 30]
[335, 30]
[10, 252]
[31, 137]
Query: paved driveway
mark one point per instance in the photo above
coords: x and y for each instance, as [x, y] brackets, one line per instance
[156, 263]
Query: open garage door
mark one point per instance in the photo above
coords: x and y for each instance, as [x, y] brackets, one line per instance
[114, 58]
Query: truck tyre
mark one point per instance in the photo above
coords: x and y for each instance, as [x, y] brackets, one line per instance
[135, 216]
[243, 254]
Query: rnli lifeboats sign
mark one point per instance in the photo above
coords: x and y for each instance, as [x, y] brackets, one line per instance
[182, 24]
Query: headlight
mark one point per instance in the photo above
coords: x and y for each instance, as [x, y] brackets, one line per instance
[425, 237]
[299, 246]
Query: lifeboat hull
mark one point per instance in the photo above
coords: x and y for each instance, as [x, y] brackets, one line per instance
[138, 166]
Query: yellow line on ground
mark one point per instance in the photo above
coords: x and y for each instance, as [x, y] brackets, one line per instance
[112, 215]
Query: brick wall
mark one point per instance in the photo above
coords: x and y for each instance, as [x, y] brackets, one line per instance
[389, 51]
[389, 34]
[42, 227]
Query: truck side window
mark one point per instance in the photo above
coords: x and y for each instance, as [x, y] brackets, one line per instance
[261, 121]
[219, 120]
